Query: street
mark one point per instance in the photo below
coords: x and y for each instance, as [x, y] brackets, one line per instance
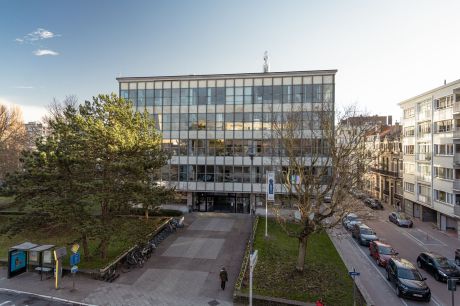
[11, 298]
[409, 243]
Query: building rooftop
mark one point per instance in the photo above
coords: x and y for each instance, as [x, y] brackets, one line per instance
[453, 83]
[230, 75]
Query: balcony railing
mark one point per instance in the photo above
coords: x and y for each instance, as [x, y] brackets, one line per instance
[423, 156]
[385, 172]
[424, 178]
[457, 185]
[386, 191]
[457, 210]
[456, 133]
[424, 199]
[456, 107]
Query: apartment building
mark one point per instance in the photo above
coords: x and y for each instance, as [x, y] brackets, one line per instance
[383, 179]
[431, 156]
[218, 130]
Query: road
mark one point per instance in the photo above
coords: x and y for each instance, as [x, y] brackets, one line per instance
[409, 243]
[10, 298]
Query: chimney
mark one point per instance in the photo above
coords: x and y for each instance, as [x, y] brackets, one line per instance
[445, 82]
[390, 120]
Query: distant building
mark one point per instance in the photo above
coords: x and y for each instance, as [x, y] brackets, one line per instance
[34, 130]
[431, 154]
[383, 179]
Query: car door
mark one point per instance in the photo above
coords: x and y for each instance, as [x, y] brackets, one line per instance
[373, 250]
[391, 271]
[423, 263]
[430, 266]
[392, 217]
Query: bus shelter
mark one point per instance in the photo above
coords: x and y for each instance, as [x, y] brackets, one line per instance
[18, 258]
[42, 258]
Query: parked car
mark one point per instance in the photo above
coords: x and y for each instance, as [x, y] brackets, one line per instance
[349, 220]
[381, 252]
[364, 234]
[400, 219]
[437, 265]
[373, 203]
[408, 280]
[457, 257]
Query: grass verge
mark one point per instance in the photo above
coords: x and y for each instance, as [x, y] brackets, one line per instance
[122, 240]
[325, 275]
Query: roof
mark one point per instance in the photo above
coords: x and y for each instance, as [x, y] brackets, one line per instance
[381, 243]
[403, 263]
[24, 246]
[430, 91]
[231, 75]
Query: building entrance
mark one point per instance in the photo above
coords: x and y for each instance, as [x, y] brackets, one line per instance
[223, 202]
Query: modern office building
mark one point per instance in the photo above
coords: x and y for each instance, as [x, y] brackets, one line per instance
[431, 150]
[218, 129]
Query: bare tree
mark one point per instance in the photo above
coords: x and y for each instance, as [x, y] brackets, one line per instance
[321, 162]
[12, 138]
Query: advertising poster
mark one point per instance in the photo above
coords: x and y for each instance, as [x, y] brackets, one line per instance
[17, 260]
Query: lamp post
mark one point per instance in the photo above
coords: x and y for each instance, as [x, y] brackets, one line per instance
[251, 155]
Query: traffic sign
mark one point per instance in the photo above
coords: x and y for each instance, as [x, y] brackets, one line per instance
[270, 186]
[74, 269]
[75, 259]
[353, 273]
[75, 248]
[60, 252]
[452, 284]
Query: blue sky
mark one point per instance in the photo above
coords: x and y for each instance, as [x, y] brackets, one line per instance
[385, 51]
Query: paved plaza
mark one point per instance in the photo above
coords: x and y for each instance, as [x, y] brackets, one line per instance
[184, 269]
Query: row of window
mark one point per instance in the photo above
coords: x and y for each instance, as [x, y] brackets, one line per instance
[222, 173]
[237, 121]
[221, 147]
[424, 150]
[424, 108]
[445, 197]
[311, 93]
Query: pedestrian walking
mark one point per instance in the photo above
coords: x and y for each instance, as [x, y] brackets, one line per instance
[319, 302]
[223, 277]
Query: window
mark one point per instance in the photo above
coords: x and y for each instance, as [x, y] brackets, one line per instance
[409, 131]
[443, 173]
[409, 149]
[444, 102]
[424, 128]
[409, 168]
[444, 149]
[443, 126]
[409, 187]
[409, 112]
[443, 196]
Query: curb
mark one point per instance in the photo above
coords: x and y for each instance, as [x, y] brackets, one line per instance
[53, 298]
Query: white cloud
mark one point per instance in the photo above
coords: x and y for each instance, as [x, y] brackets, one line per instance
[38, 34]
[29, 112]
[42, 52]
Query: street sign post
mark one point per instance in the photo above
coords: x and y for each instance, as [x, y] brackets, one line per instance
[353, 274]
[270, 196]
[252, 264]
[74, 259]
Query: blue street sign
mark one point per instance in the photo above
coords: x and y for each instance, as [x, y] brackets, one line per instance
[353, 273]
[74, 269]
[74, 259]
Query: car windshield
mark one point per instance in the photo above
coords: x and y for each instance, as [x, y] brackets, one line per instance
[442, 262]
[367, 231]
[409, 274]
[403, 217]
[386, 250]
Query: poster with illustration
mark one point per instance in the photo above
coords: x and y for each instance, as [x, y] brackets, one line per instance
[17, 260]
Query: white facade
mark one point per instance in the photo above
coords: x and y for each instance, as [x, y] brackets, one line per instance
[431, 156]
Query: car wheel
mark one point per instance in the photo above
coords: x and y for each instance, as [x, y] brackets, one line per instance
[436, 276]
[419, 264]
[398, 292]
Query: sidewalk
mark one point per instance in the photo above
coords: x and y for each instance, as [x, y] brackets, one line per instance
[182, 271]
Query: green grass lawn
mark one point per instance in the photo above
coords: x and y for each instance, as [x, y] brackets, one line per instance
[5, 202]
[127, 228]
[325, 274]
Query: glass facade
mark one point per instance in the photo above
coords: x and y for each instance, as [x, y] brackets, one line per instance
[210, 124]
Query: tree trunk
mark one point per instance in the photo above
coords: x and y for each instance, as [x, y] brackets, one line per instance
[84, 242]
[302, 252]
[103, 247]
[147, 213]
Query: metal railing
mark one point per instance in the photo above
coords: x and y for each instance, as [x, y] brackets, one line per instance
[423, 156]
[384, 172]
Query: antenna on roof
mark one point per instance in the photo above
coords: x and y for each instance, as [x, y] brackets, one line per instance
[266, 64]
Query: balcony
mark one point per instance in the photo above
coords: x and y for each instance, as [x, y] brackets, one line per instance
[457, 210]
[424, 199]
[424, 178]
[424, 157]
[456, 108]
[457, 185]
[456, 133]
[384, 172]
[377, 188]
[386, 191]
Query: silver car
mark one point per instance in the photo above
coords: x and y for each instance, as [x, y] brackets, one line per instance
[400, 219]
[350, 220]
